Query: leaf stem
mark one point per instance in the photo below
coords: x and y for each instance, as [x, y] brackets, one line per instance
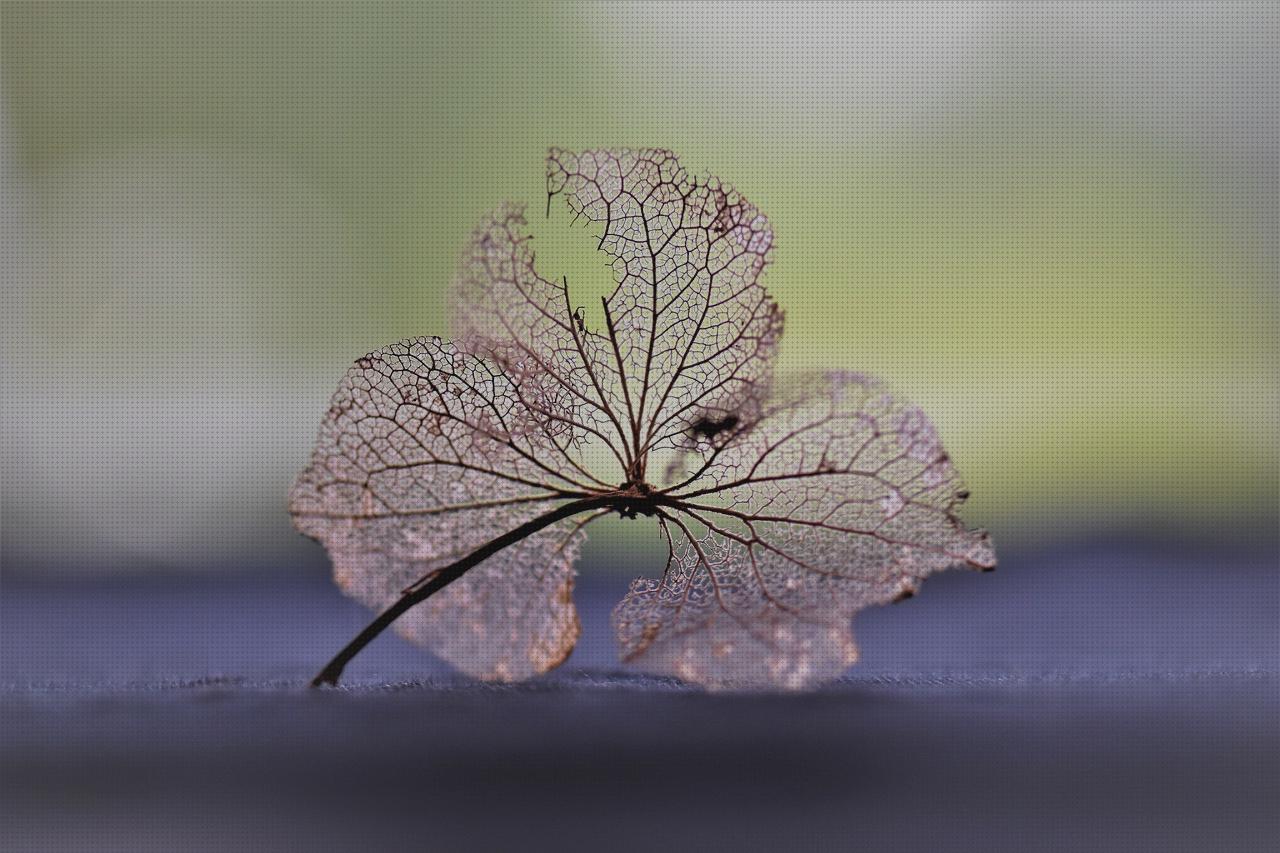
[433, 583]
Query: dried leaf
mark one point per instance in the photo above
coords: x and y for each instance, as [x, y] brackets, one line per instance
[695, 331]
[785, 513]
[426, 453]
[839, 498]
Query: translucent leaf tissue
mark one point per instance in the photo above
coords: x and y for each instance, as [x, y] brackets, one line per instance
[452, 481]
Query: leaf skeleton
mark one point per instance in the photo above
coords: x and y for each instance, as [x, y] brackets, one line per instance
[452, 481]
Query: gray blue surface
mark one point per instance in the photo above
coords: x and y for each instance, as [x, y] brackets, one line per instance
[1117, 696]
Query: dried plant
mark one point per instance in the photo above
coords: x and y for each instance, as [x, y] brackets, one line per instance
[452, 481]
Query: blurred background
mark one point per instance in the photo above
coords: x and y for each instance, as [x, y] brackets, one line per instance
[1052, 226]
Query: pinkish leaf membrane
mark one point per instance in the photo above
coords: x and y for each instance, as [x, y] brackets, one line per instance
[787, 506]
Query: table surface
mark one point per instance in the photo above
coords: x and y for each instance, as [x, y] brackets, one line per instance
[1110, 696]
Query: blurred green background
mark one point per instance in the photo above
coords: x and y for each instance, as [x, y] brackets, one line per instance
[1053, 227]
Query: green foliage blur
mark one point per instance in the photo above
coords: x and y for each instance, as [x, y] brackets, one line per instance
[1064, 252]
